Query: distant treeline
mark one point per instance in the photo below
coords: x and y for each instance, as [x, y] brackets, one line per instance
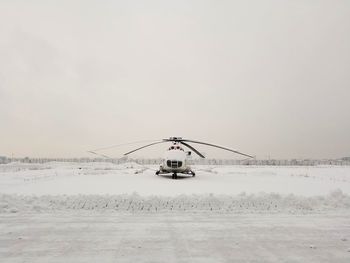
[156, 161]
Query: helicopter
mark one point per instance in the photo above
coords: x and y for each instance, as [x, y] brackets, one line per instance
[176, 159]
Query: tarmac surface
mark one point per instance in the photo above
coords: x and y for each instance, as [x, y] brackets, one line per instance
[92, 236]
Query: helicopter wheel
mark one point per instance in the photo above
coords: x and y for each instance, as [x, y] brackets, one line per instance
[157, 172]
[174, 176]
[193, 174]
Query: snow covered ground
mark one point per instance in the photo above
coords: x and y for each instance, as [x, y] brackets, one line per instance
[74, 212]
[108, 178]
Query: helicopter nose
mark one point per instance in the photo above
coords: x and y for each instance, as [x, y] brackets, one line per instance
[174, 163]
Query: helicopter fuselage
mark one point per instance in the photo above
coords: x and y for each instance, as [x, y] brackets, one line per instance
[176, 161]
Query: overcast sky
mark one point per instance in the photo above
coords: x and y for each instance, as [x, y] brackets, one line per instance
[269, 78]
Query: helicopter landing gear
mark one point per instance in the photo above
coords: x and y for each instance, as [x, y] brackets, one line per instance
[193, 174]
[174, 176]
[157, 172]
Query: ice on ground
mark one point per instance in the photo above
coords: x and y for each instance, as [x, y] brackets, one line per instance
[85, 236]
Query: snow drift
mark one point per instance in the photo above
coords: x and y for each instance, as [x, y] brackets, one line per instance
[242, 203]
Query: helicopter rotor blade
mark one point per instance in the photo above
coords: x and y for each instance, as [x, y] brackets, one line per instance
[144, 147]
[171, 139]
[98, 154]
[217, 146]
[123, 144]
[193, 149]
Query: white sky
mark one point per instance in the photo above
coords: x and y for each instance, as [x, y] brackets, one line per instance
[269, 78]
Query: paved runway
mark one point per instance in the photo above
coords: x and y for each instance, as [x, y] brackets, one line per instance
[81, 236]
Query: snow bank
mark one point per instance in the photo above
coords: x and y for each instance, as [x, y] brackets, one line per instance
[255, 203]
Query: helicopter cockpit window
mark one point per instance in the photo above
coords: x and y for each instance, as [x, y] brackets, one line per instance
[175, 148]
